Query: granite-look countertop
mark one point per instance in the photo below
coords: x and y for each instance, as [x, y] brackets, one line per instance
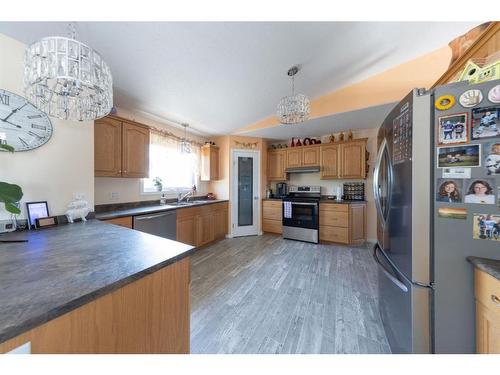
[67, 266]
[490, 266]
[113, 214]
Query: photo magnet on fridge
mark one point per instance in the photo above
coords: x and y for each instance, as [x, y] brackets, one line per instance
[449, 191]
[485, 123]
[459, 156]
[481, 191]
[486, 227]
[453, 129]
[452, 213]
[492, 158]
[456, 172]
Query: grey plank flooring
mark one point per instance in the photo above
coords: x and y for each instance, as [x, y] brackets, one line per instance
[267, 295]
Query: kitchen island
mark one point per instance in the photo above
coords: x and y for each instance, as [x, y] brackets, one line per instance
[93, 287]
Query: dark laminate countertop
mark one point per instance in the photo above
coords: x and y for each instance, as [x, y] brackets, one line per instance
[148, 210]
[64, 267]
[490, 266]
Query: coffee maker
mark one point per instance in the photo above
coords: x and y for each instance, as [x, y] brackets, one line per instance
[281, 190]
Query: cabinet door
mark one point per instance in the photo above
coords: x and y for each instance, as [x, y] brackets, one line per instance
[330, 161]
[294, 157]
[220, 222]
[209, 163]
[121, 221]
[186, 230]
[205, 229]
[135, 158]
[487, 330]
[214, 163]
[310, 156]
[276, 165]
[353, 160]
[107, 148]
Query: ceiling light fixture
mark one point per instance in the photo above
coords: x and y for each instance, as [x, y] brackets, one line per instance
[184, 144]
[293, 109]
[67, 79]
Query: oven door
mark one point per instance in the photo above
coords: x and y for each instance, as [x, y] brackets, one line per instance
[301, 214]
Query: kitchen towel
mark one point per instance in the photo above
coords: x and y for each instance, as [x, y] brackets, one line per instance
[287, 210]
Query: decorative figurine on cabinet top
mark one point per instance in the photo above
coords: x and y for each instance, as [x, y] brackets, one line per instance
[332, 138]
[349, 135]
[341, 136]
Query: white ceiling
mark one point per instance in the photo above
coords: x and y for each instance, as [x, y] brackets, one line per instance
[222, 76]
[366, 118]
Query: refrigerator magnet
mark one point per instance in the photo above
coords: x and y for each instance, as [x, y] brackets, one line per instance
[453, 129]
[486, 227]
[494, 94]
[449, 191]
[485, 123]
[459, 156]
[492, 158]
[480, 191]
[456, 172]
[445, 102]
[452, 213]
[471, 98]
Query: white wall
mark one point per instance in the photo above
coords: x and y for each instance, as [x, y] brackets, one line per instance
[130, 189]
[328, 186]
[58, 169]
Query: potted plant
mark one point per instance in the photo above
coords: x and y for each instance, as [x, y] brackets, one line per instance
[10, 194]
[158, 183]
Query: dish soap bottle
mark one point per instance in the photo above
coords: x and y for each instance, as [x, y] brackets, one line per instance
[163, 199]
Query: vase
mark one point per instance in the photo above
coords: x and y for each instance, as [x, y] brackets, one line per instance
[293, 143]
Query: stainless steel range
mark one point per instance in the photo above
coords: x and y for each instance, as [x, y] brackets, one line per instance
[301, 213]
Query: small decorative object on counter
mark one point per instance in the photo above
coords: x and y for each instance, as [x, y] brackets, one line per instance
[46, 222]
[77, 209]
[341, 136]
[349, 135]
[211, 196]
[332, 138]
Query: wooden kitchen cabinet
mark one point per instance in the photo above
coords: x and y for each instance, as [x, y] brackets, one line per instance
[310, 156]
[344, 160]
[294, 157]
[121, 148]
[121, 221]
[276, 164]
[329, 165]
[272, 216]
[186, 228]
[209, 163]
[342, 223]
[487, 293]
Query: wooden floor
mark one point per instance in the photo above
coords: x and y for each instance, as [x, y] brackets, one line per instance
[264, 294]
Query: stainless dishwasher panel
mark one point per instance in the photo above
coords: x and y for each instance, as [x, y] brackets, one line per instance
[161, 225]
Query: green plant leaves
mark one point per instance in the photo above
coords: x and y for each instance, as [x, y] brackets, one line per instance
[6, 147]
[10, 194]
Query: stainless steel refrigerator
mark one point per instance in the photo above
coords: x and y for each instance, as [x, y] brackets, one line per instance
[426, 286]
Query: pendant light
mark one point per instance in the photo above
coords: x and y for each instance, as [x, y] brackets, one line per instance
[293, 109]
[185, 145]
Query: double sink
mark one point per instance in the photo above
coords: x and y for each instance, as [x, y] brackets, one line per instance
[192, 203]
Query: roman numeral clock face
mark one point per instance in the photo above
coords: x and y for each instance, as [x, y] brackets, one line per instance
[22, 125]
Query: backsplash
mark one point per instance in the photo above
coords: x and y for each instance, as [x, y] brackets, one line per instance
[328, 187]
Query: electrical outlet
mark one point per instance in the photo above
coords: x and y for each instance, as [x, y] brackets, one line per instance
[114, 195]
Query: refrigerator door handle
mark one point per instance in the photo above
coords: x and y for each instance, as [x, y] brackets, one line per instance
[376, 182]
[386, 272]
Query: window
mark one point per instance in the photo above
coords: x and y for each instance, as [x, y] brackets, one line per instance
[177, 171]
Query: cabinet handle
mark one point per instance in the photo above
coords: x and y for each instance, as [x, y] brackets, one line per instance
[495, 300]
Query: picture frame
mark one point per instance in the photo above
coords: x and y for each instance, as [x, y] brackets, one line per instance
[486, 227]
[479, 190]
[485, 123]
[453, 129]
[36, 210]
[459, 156]
[491, 158]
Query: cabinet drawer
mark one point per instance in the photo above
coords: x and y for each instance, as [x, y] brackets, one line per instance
[334, 234]
[334, 218]
[275, 204]
[335, 207]
[272, 213]
[273, 226]
[487, 288]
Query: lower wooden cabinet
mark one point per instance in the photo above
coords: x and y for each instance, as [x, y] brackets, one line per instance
[121, 221]
[487, 290]
[199, 226]
[272, 216]
[342, 223]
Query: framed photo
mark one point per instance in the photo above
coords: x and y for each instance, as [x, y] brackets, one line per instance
[453, 129]
[459, 156]
[486, 227]
[485, 123]
[449, 190]
[491, 160]
[480, 191]
[36, 210]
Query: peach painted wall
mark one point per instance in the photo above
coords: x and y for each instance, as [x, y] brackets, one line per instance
[386, 87]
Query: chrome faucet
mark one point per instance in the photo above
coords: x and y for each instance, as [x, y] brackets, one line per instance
[181, 196]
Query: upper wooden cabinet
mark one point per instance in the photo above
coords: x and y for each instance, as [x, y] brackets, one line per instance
[121, 148]
[276, 163]
[294, 157]
[209, 163]
[344, 160]
[310, 156]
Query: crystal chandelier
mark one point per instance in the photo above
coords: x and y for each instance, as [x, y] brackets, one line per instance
[295, 108]
[184, 144]
[67, 79]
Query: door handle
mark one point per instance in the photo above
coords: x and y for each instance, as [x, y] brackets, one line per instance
[387, 273]
[495, 300]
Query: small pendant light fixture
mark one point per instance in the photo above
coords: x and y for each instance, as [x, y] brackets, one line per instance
[293, 109]
[185, 145]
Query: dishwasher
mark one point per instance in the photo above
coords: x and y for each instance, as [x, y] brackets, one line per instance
[162, 224]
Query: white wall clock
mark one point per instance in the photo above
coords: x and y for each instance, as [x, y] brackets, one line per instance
[22, 125]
